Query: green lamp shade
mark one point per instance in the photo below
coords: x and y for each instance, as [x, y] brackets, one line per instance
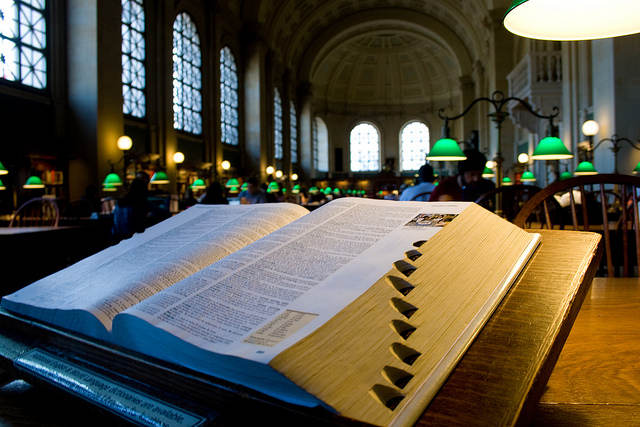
[551, 148]
[33, 182]
[528, 176]
[565, 175]
[446, 149]
[488, 173]
[336, 191]
[314, 190]
[295, 189]
[2, 187]
[109, 188]
[506, 181]
[572, 19]
[327, 190]
[273, 187]
[3, 170]
[159, 177]
[112, 179]
[233, 182]
[637, 168]
[244, 186]
[198, 184]
[586, 168]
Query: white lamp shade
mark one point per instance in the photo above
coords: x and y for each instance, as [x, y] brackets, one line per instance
[573, 19]
[590, 128]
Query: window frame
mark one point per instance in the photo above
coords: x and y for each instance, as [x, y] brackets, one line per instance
[46, 52]
[200, 89]
[145, 63]
[278, 131]
[222, 104]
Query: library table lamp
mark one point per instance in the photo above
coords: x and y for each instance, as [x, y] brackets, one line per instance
[3, 170]
[198, 184]
[506, 181]
[159, 177]
[585, 168]
[488, 173]
[33, 182]
[636, 169]
[445, 148]
[565, 175]
[528, 176]
[108, 188]
[2, 187]
[112, 179]
[567, 20]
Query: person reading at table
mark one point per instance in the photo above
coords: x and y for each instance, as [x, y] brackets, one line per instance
[253, 194]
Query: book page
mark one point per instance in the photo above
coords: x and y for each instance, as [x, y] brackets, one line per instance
[127, 273]
[267, 296]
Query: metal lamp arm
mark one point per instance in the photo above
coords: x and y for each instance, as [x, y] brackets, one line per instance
[466, 110]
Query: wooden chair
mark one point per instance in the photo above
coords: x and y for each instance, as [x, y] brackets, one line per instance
[513, 198]
[605, 203]
[36, 212]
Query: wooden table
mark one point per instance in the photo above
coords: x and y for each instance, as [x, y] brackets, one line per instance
[597, 378]
[498, 381]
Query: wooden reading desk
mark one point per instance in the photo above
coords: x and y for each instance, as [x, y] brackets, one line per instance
[498, 382]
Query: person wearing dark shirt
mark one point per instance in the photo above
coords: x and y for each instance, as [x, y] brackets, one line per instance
[469, 184]
[214, 195]
[130, 213]
[423, 188]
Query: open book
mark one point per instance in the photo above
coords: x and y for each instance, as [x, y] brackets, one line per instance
[360, 306]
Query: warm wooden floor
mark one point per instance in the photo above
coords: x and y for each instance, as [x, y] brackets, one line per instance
[597, 378]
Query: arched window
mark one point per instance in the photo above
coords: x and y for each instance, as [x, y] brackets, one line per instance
[187, 77]
[414, 145]
[320, 140]
[228, 97]
[277, 124]
[23, 42]
[364, 145]
[133, 55]
[293, 121]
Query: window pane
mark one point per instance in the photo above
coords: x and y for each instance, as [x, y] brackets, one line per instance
[364, 143]
[187, 76]
[320, 141]
[228, 97]
[23, 42]
[277, 124]
[293, 120]
[133, 55]
[414, 146]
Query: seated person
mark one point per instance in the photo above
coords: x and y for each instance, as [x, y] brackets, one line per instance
[469, 184]
[423, 188]
[253, 194]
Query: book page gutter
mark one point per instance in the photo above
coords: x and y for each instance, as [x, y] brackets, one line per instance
[264, 298]
[125, 274]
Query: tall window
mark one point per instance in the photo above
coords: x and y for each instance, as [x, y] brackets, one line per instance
[277, 124]
[320, 140]
[133, 55]
[293, 121]
[228, 97]
[414, 146]
[364, 144]
[187, 77]
[23, 42]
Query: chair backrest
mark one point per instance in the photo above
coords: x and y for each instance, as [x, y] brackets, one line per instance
[513, 198]
[36, 212]
[606, 203]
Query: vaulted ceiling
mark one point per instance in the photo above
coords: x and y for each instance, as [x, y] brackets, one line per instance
[377, 52]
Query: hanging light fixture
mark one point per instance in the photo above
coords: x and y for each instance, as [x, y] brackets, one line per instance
[586, 168]
[528, 176]
[573, 19]
[33, 182]
[551, 148]
[160, 177]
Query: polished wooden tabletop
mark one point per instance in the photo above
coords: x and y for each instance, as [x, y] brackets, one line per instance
[596, 380]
